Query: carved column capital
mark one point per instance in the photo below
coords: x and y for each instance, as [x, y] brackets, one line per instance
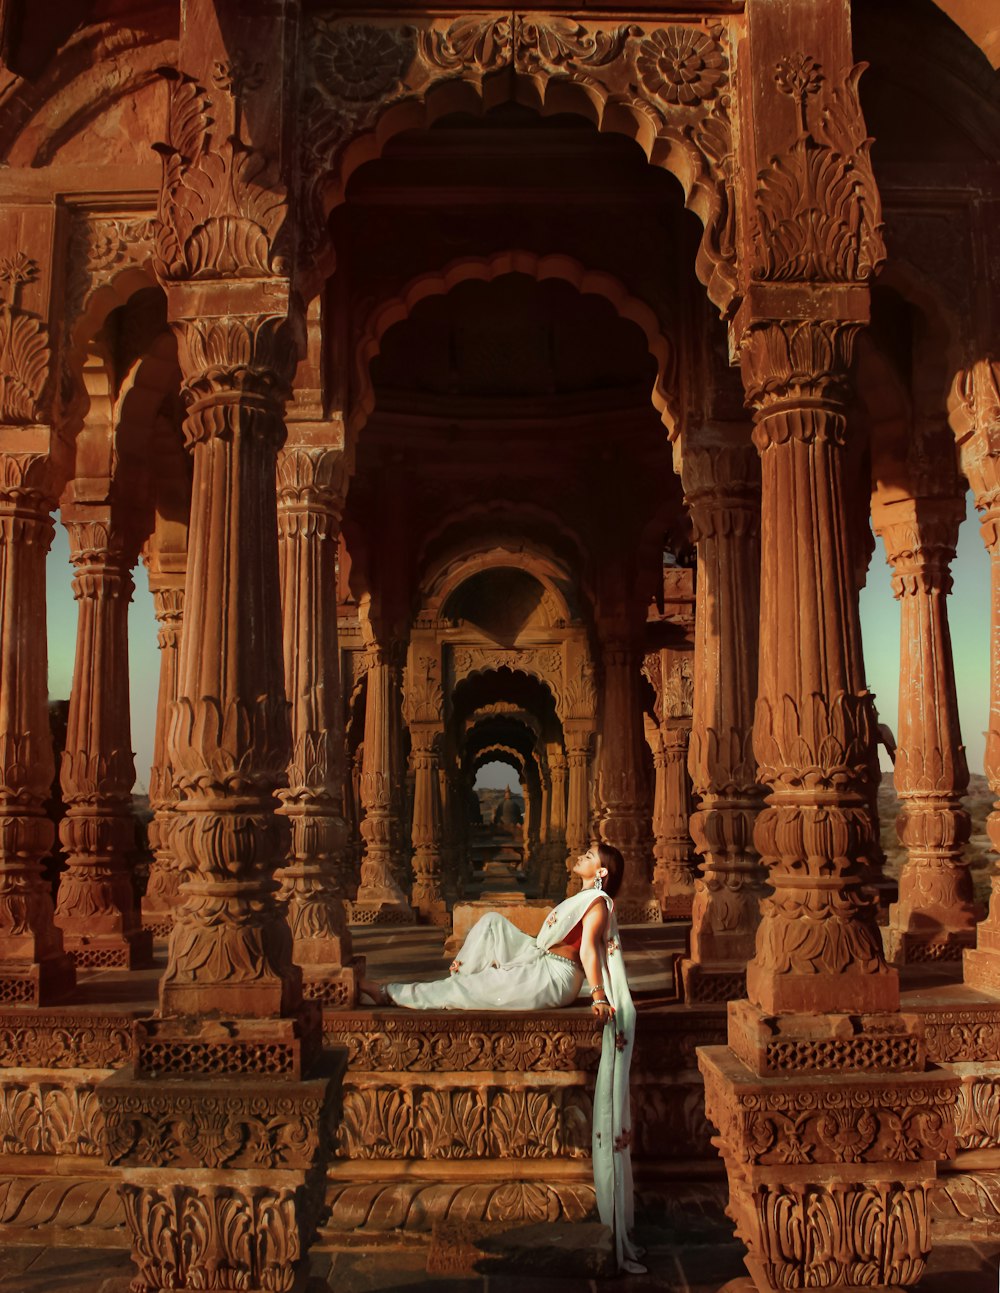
[312, 483]
[722, 490]
[796, 377]
[974, 414]
[920, 539]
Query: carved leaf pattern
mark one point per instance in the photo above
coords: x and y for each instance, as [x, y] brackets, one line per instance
[24, 362]
[221, 208]
[818, 207]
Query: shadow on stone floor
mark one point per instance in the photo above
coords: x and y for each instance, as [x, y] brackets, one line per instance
[686, 1268]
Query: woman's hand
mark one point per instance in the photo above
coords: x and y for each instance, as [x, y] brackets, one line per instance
[604, 1011]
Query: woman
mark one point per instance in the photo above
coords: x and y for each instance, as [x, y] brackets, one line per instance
[501, 968]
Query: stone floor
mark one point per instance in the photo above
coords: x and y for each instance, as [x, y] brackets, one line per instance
[687, 1269]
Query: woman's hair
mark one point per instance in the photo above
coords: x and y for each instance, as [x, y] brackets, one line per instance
[610, 858]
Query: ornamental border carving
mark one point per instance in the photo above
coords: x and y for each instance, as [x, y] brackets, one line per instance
[672, 80]
[542, 662]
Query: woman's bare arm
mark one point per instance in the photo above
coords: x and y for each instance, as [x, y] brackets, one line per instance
[595, 923]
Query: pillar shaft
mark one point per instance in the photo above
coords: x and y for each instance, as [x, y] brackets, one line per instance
[310, 494]
[935, 916]
[674, 870]
[577, 801]
[625, 821]
[427, 833]
[96, 909]
[975, 418]
[34, 968]
[722, 490]
[380, 899]
[162, 894]
[818, 947]
[230, 949]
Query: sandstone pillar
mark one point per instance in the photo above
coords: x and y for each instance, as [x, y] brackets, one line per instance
[96, 909]
[162, 896]
[558, 769]
[673, 869]
[577, 800]
[625, 821]
[935, 917]
[219, 1133]
[310, 498]
[380, 899]
[976, 420]
[821, 1195]
[425, 757]
[34, 968]
[722, 490]
[821, 998]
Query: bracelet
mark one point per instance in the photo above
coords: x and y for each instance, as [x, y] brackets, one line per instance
[595, 991]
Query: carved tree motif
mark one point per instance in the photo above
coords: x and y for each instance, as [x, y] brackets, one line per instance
[24, 346]
[818, 209]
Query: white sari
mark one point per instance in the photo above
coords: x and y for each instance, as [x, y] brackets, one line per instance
[502, 968]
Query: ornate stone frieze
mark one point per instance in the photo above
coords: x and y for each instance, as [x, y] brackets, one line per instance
[962, 1035]
[248, 1126]
[400, 1044]
[24, 346]
[512, 1122]
[67, 1040]
[673, 80]
[887, 1120]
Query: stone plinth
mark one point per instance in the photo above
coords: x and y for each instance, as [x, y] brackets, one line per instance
[527, 914]
[830, 1171]
[214, 1181]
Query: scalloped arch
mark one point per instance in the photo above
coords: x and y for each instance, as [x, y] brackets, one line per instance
[484, 269]
[703, 173]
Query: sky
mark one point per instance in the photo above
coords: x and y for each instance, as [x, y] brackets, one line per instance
[969, 612]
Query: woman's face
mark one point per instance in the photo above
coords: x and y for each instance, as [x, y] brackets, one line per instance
[588, 865]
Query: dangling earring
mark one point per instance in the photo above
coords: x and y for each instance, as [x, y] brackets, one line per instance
[597, 882]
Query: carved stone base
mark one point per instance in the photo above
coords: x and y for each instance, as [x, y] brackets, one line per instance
[157, 915]
[276, 1048]
[677, 906]
[36, 984]
[370, 909]
[333, 986]
[906, 948]
[631, 911]
[222, 1184]
[982, 967]
[829, 1177]
[131, 951]
[801, 1044]
[705, 983]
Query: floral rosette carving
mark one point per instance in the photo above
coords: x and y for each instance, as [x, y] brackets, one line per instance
[358, 62]
[681, 65]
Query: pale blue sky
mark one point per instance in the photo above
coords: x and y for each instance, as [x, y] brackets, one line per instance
[970, 622]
